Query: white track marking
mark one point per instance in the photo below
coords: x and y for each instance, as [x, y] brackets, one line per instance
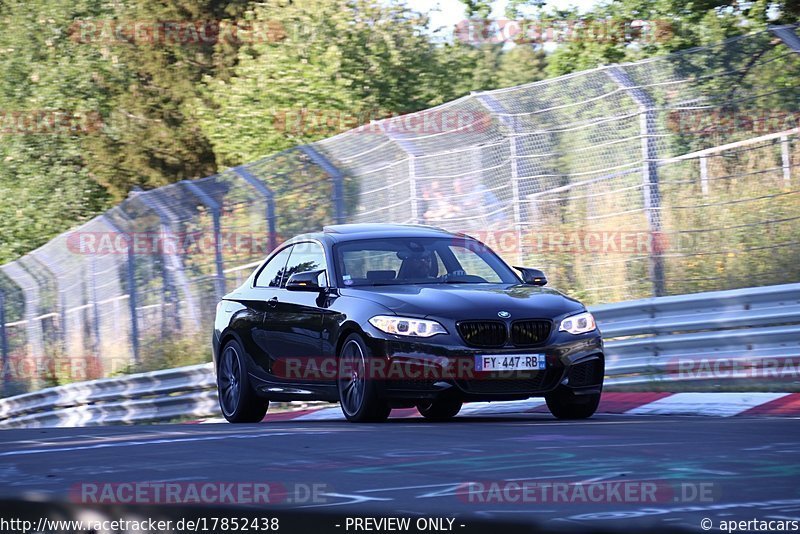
[718, 404]
[324, 414]
[491, 408]
[159, 441]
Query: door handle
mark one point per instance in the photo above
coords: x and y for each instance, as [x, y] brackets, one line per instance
[272, 302]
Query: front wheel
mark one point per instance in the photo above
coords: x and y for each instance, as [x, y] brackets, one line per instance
[440, 409]
[564, 404]
[237, 400]
[358, 394]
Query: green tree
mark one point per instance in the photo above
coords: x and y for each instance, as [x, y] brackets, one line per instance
[676, 25]
[521, 64]
[337, 63]
[151, 137]
[44, 185]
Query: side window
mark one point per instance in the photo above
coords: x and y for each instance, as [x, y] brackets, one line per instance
[272, 273]
[305, 257]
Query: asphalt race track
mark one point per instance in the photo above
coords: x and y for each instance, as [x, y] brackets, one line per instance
[739, 468]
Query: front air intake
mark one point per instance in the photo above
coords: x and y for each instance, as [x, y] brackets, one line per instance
[483, 333]
[530, 332]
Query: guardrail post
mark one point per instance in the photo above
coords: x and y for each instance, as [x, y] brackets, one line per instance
[652, 196]
[494, 106]
[269, 198]
[4, 340]
[336, 177]
[213, 205]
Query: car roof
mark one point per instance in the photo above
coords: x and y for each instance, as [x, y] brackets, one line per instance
[349, 232]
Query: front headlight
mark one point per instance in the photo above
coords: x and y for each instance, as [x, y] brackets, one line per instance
[406, 326]
[578, 324]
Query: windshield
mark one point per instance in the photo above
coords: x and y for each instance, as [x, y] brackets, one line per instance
[408, 260]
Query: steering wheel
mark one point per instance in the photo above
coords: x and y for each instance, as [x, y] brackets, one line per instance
[460, 276]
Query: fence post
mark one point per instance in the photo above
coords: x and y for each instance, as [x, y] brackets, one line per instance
[178, 277]
[131, 281]
[336, 176]
[30, 292]
[704, 175]
[4, 340]
[786, 161]
[412, 153]
[412, 189]
[787, 35]
[495, 107]
[269, 198]
[652, 196]
[213, 205]
[95, 307]
[50, 271]
[62, 319]
[132, 302]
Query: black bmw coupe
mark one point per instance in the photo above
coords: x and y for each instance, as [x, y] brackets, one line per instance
[381, 316]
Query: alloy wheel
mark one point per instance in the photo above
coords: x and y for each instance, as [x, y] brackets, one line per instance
[352, 379]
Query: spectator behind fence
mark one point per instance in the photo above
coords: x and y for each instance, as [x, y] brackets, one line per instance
[478, 202]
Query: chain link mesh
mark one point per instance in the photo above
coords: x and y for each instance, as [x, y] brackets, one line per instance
[671, 175]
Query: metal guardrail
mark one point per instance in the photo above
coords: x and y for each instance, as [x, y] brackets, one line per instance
[706, 341]
[154, 396]
[702, 341]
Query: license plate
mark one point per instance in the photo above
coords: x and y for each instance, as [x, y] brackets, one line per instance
[510, 362]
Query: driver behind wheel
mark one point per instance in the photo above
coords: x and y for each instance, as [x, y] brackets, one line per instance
[417, 265]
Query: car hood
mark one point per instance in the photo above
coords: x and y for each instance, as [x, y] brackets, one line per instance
[469, 301]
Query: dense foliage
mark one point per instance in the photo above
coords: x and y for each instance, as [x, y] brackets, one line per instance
[97, 99]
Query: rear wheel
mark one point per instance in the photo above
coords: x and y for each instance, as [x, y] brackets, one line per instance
[440, 409]
[237, 400]
[564, 404]
[358, 394]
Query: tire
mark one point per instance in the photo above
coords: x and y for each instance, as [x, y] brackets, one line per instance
[440, 409]
[564, 404]
[358, 395]
[238, 402]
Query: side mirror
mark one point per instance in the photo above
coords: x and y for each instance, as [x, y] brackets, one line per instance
[533, 277]
[305, 281]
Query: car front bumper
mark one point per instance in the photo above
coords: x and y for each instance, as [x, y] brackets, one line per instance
[428, 368]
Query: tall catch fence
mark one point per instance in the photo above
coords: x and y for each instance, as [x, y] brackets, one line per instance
[673, 175]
